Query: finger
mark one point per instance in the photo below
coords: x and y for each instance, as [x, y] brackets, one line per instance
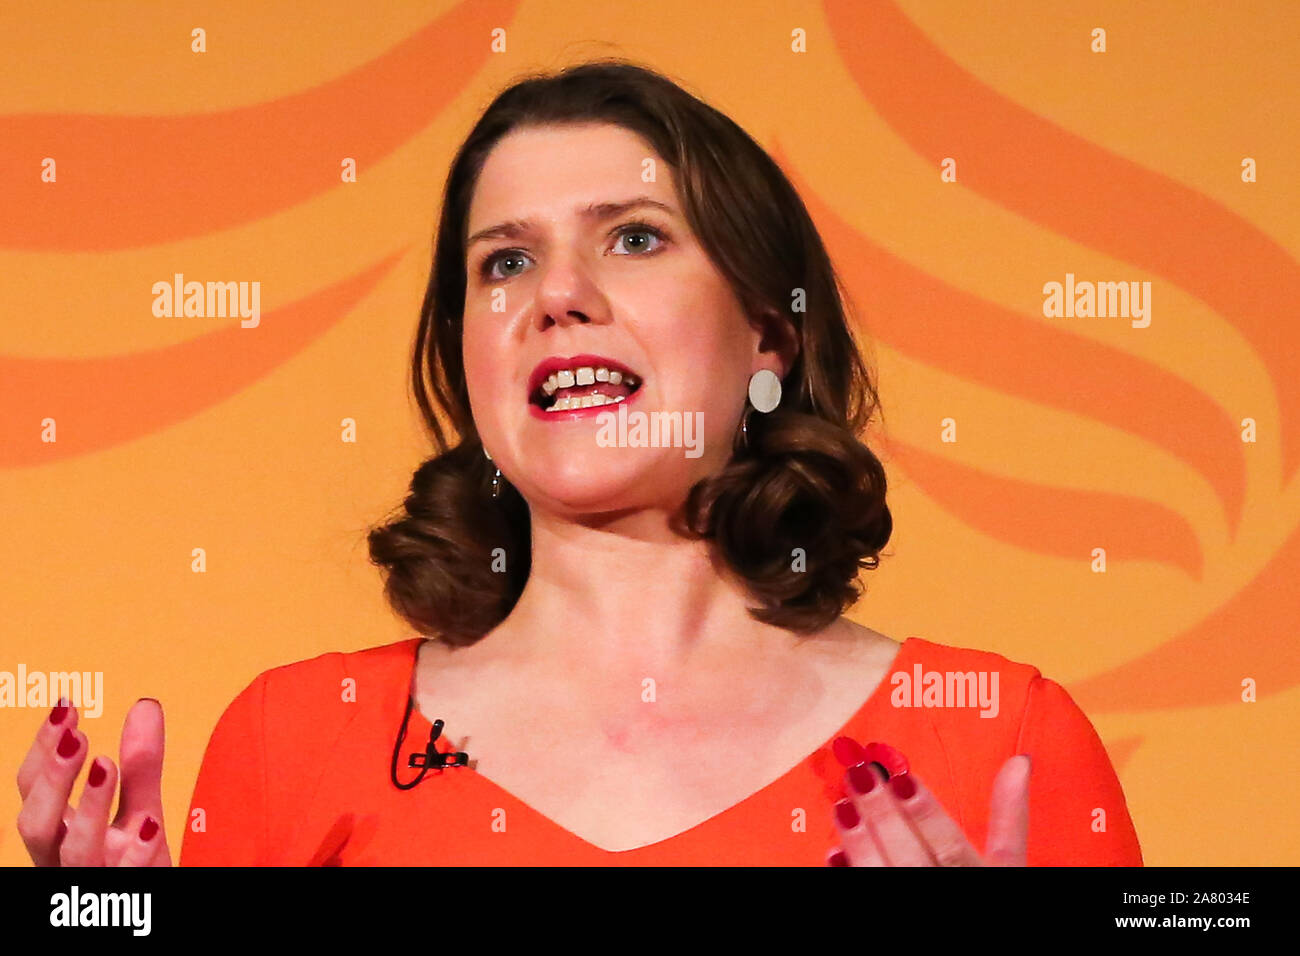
[927, 817]
[84, 843]
[46, 802]
[148, 840]
[141, 757]
[900, 845]
[62, 717]
[859, 845]
[1008, 842]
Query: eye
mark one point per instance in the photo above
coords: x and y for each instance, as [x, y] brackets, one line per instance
[485, 270]
[488, 265]
[640, 229]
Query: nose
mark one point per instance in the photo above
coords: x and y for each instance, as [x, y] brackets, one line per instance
[568, 295]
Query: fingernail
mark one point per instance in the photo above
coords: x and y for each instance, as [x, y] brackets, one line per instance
[903, 786]
[862, 779]
[847, 751]
[847, 814]
[148, 829]
[97, 774]
[837, 859]
[1028, 759]
[59, 712]
[891, 761]
[68, 744]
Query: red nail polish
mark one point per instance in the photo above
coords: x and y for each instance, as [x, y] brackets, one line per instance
[97, 774]
[837, 858]
[148, 829]
[847, 751]
[68, 744]
[847, 814]
[58, 713]
[903, 786]
[891, 761]
[861, 778]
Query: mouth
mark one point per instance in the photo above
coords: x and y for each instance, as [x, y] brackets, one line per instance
[566, 384]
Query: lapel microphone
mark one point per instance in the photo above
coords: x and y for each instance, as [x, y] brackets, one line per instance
[428, 759]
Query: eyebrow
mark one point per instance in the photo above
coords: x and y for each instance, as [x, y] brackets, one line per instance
[592, 212]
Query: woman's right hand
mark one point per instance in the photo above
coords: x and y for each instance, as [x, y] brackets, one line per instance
[57, 835]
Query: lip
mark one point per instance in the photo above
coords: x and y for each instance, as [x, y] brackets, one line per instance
[554, 363]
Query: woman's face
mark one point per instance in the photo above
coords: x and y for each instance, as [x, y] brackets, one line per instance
[567, 284]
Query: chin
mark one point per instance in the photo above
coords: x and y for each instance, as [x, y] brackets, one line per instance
[586, 484]
[591, 501]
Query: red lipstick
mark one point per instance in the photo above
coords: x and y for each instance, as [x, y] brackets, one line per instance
[540, 402]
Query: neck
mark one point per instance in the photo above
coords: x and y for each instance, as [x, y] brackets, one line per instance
[628, 597]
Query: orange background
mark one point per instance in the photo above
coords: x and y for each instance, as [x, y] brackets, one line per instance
[1073, 433]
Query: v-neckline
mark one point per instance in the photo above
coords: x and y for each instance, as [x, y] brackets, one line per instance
[420, 725]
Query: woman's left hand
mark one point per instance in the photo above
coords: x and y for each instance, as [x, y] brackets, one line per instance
[900, 823]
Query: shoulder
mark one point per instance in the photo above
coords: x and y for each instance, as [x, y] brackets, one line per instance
[384, 660]
[934, 656]
[328, 687]
[964, 692]
[959, 659]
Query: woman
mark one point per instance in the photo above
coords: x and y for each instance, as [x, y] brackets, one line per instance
[639, 640]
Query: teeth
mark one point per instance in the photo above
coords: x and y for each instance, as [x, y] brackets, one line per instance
[584, 401]
[583, 375]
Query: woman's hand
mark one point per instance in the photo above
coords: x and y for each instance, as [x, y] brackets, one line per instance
[57, 835]
[900, 823]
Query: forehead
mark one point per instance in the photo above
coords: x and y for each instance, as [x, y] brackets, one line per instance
[548, 171]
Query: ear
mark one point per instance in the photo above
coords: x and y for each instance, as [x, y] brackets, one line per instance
[778, 342]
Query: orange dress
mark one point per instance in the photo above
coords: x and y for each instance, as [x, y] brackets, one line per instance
[298, 773]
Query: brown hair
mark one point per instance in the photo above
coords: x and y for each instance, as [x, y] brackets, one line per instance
[802, 480]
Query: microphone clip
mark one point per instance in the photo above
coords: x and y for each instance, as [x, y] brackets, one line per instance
[434, 759]
[430, 759]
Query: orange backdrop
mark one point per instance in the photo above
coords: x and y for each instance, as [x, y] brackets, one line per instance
[956, 156]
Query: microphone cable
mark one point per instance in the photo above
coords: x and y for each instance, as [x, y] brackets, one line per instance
[431, 758]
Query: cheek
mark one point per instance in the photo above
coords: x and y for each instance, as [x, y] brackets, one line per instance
[719, 357]
[486, 374]
[711, 323]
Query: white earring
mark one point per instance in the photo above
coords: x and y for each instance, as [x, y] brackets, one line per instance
[764, 390]
[486, 455]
